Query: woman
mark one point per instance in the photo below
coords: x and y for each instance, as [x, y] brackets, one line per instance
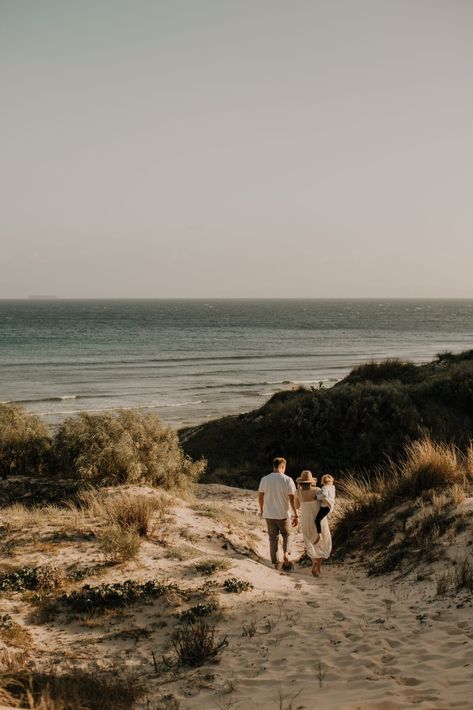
[306, 500]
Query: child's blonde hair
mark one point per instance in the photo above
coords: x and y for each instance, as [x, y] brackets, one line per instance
[327, 480]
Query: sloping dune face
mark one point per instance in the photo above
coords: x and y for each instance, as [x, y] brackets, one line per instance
[192, 614]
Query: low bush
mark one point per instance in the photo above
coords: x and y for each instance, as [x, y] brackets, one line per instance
[195, 644]
[25, 442]
[353, 426]
[126, 446]
[235, 585]
[384, 371]
[115, 596]
[190, 616]
[212, 565]
[37, 579]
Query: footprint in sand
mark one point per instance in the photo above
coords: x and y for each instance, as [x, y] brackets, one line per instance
[410, 681]
[338, 616]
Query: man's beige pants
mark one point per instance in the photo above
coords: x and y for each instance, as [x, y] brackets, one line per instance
[276, 527]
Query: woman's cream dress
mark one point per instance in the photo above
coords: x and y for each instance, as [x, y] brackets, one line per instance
[309, 507]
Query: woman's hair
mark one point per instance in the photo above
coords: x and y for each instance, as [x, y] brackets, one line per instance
[327, 479]
[305, 485]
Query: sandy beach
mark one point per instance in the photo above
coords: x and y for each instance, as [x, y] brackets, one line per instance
[344, 640]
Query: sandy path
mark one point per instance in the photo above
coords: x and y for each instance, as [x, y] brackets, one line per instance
[343, 641]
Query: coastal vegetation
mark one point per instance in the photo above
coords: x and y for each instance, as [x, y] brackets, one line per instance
[25, 442]
[409, 510]
[108, 448]
[355, 426]
[127, 446]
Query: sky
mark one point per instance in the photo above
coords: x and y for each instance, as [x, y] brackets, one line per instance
[236, 148]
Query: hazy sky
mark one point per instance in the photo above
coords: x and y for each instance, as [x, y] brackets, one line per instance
[252, 148]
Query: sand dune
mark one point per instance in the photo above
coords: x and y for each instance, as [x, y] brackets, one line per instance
[344, 640]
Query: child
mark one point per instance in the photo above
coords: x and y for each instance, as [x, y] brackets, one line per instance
[327, 498]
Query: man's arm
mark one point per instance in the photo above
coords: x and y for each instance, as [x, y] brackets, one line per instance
[295, 517]
[261, 502]
[292, 504]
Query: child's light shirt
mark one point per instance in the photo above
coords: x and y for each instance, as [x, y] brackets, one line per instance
[327, 496]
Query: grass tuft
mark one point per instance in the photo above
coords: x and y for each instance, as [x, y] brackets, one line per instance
[77, 690]
[119, 544]
[195, 644]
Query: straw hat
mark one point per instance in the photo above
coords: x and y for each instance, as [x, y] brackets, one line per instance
[306, 477]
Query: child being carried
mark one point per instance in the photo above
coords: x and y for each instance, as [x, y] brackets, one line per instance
[327, 501]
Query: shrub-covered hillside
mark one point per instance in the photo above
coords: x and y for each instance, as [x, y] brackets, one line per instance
[355, 425]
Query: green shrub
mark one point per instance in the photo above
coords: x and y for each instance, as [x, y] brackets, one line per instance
[190, 616]
[212, 565]
[390, 369]
[43, 578]
[127, 446]
[115, 596]
[25, 442]
[356, 425]
[235, 585]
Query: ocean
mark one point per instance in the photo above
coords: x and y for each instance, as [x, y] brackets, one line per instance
[194, 360]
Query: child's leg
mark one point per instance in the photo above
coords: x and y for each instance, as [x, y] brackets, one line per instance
[320, 516]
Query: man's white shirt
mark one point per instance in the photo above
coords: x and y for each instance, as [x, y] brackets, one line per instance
[276, 488]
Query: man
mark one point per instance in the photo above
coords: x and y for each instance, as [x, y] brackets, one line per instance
[276, 501]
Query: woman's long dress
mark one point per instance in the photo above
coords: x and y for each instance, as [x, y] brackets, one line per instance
[323, 548]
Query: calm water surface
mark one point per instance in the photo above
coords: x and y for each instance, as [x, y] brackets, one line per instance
[194, 360]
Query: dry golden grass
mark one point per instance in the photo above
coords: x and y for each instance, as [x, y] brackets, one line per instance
[67, 518]
[76, 690]
[119, 544]
[429, 471]
[126, 508]
[469, 462]
[15, 635]
[137, 511]
[13, 660]
[457, 578]
[428, 465]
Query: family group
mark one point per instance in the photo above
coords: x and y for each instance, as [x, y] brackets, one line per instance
[285, 508]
